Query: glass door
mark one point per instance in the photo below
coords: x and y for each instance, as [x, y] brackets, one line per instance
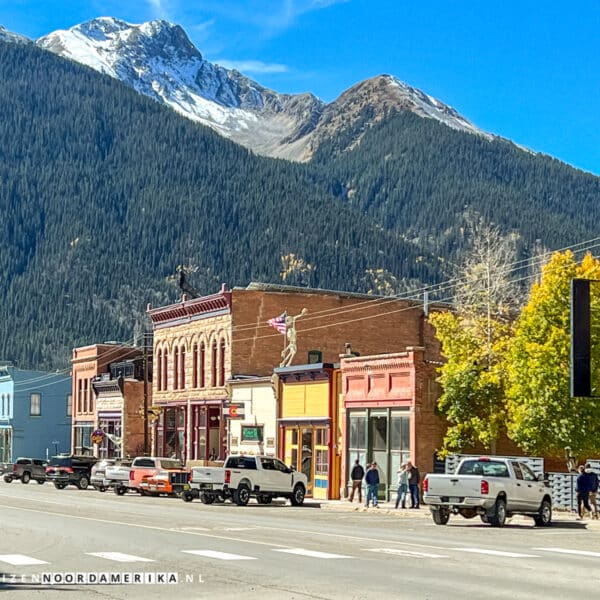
[378, 433]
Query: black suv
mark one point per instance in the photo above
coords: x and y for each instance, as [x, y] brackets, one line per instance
[70, 470]
[27, 469]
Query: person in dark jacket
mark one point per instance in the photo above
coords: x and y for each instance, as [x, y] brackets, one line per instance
[593, 489]
[357, 475]
[413, 485]
[583, 487]
[372, 481]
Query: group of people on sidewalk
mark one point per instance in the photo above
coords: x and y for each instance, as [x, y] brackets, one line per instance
[408, 484]
[586, 487]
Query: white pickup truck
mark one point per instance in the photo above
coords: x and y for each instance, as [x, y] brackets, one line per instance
[263, 477]
[493, 488]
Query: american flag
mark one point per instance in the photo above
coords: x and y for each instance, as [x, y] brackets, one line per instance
[279, 322]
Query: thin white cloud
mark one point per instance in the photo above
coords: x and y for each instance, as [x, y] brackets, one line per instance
[253, 66]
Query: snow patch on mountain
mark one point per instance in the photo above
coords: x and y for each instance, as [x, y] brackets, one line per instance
[157, 59]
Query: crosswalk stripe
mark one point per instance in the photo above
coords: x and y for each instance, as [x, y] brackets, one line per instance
[311, 553]
[20, 560]
[219, 555]
[119, 557]
[495, 552]
[407, 553]
[568, 551]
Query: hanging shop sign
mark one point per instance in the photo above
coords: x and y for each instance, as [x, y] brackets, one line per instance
[98, 436]
[233, 410]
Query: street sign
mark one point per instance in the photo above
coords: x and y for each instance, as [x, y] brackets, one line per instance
[233, 410]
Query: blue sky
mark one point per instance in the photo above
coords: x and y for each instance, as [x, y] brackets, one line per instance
[523, 69]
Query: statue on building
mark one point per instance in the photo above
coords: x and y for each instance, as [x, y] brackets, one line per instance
[288, 353]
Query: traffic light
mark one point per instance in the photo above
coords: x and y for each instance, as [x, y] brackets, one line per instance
[581, 371]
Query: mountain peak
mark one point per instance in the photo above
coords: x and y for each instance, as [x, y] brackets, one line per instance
[158, 59]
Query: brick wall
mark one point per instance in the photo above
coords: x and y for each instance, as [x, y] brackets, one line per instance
[371, 327]
[133, 421]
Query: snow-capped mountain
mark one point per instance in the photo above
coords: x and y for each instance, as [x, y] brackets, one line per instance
[9, 36]
[158, 59]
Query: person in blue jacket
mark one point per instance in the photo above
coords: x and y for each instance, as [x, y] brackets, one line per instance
[372, 481]
[583, 487]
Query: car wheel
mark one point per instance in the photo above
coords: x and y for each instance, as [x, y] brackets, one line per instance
[219, 498]
[544, 517]
[499, 517]
[206, 498]
[8, 479]
[264, 499]
[297, 497]
[25, 477]
[187, 496]
[241, 496]
[83, 483]
[119, 490]
[60, 486]
[41, 481]
[441, 515]
[484, 518]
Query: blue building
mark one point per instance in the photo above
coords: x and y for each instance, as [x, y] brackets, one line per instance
[35, 413]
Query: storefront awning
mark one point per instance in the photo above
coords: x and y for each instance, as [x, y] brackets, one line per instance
[305, 421]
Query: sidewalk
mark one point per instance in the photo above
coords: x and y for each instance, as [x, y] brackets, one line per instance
[559, 516]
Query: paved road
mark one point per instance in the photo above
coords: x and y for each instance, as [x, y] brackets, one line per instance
[280, 552]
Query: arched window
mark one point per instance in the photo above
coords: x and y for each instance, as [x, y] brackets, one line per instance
[195, 366]
[222, 363]
[165, 367]
[159, 373]
[202, 365]
[182, 368]
[176, 368]
[214, 365]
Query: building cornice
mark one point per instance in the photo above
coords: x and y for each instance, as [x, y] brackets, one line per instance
[188, 310]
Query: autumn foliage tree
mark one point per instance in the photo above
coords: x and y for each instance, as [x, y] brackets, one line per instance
[475, 340]
[542, 416]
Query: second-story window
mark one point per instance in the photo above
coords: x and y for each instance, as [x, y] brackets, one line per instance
[35, 405]
[176, 368]
[222, 363]
[202, 365]
[166, 370]
[79, 396]
[69, 405]
[213, 382]
[195, 366]
[182, 368]
[159, 370]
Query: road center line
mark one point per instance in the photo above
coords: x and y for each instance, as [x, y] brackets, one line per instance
[154, 527]
[568, 551]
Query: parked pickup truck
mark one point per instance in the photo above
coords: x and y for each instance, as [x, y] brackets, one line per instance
[206, 483]
[493, 488]
[263, 477]
[26, 469]
[122, 478]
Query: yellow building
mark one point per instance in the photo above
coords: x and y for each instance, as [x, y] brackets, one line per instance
[309, 425]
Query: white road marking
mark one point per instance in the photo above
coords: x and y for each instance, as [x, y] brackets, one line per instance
[408, 553]
[119, 557]
[311, 553]
[190, 529]
[219, 555]
[238, 528]
[495, 552]
[568, 551]
[20, 560]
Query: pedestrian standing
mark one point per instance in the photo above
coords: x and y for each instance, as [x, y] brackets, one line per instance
[403, 475]
[413, 485]
[357, 475]
[583, 487]
[593, 478]
[372, 481]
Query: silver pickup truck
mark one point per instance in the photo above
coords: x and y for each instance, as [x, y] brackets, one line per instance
[206, 483]
[493, 488]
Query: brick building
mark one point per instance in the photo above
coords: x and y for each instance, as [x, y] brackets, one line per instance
[201, 344]
[389, 413]
[88, 363]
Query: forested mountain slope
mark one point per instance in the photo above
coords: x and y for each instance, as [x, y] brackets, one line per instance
[104, 192]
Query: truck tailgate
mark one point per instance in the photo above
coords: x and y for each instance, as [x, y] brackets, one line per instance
[454, 486]
[214, 475]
